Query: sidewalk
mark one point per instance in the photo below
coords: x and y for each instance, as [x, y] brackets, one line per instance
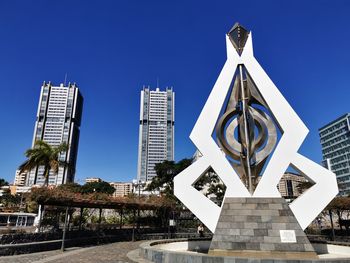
[115, 252]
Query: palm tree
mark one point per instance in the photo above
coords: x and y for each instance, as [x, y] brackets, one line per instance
[43, 154]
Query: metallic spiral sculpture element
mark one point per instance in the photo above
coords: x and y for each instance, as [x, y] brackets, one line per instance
[245, 112]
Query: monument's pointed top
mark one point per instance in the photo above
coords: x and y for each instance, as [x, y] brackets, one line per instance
[237, 24]
[238, 36]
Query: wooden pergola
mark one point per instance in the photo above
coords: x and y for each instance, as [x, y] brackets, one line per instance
[104, 204]
[58, 198]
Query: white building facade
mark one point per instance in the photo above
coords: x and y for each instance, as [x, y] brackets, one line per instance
[58, 120]
[335, 143]
[20, 178]
[156, 133]
[289, 185]
[93, 180]
[121, 188]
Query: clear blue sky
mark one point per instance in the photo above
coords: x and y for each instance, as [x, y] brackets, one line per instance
[112, 48]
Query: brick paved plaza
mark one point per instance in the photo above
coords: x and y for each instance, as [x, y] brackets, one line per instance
[115, 252]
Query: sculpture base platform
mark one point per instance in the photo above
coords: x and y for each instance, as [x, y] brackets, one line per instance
[259, 227]
[194, 250]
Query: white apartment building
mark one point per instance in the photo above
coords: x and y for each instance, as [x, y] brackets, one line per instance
[93, 180]
[156, 133]
[121, 189]
[20, 178]
[58, 120]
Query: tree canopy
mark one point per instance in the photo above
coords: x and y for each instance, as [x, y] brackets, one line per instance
[97, 187]
[166, 171]
[339, 203]
[43, 154]
[214, 186]
[3, 182]
[9, 200]
[70, 187]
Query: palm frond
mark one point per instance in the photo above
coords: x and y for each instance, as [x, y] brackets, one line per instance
[63, 147]
[27, 166]
[54, 165]
[43, 154]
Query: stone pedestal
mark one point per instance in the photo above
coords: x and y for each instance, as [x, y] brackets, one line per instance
[259, 227]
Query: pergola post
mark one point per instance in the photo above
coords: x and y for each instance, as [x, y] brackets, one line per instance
[133, 226]
[121, 218]
[332, 225]
[99, 218]
[70, 216]
[138, 217]
[41, 211]
[64, 229]
[57, 218]
[81, 217]
[168, 225]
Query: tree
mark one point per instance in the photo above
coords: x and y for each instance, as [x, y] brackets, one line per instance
[97, 187]
[166, 171]
[214, 185]
[9, 200]
[303, 186]
[3, 182]
[43, 154]
[217, 189]
[70, 187]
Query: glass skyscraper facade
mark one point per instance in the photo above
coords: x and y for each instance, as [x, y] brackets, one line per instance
[335, 142]
[156, 133]
[58, 120]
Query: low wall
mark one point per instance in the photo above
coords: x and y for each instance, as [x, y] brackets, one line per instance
[23, 243]
[167, 251]
[124, 234]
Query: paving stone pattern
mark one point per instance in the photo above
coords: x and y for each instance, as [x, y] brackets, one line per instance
[29, 258]
[115, 252]
[255, 224]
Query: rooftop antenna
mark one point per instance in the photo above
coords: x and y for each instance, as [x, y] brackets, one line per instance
[157, 82]
[65, 79]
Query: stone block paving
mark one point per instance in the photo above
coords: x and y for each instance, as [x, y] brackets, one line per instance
[115, 252]
[29, 258]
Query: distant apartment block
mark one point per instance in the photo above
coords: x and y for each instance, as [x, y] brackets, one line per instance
[289, 185]
[20, 178]
[93, 180]
[121, 189]
[335, 143]
[58, 120]
[156, 132]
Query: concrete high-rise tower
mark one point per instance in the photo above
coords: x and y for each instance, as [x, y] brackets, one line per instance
[335, 143]
[156, 134]
[58, 120]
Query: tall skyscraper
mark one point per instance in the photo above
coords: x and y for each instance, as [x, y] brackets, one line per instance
[156, 134]
[58, 120]
[335, 142]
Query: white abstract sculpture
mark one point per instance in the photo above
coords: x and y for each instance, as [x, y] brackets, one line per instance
[308, 205]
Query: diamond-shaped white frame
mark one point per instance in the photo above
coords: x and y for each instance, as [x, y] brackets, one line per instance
[308, 205]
